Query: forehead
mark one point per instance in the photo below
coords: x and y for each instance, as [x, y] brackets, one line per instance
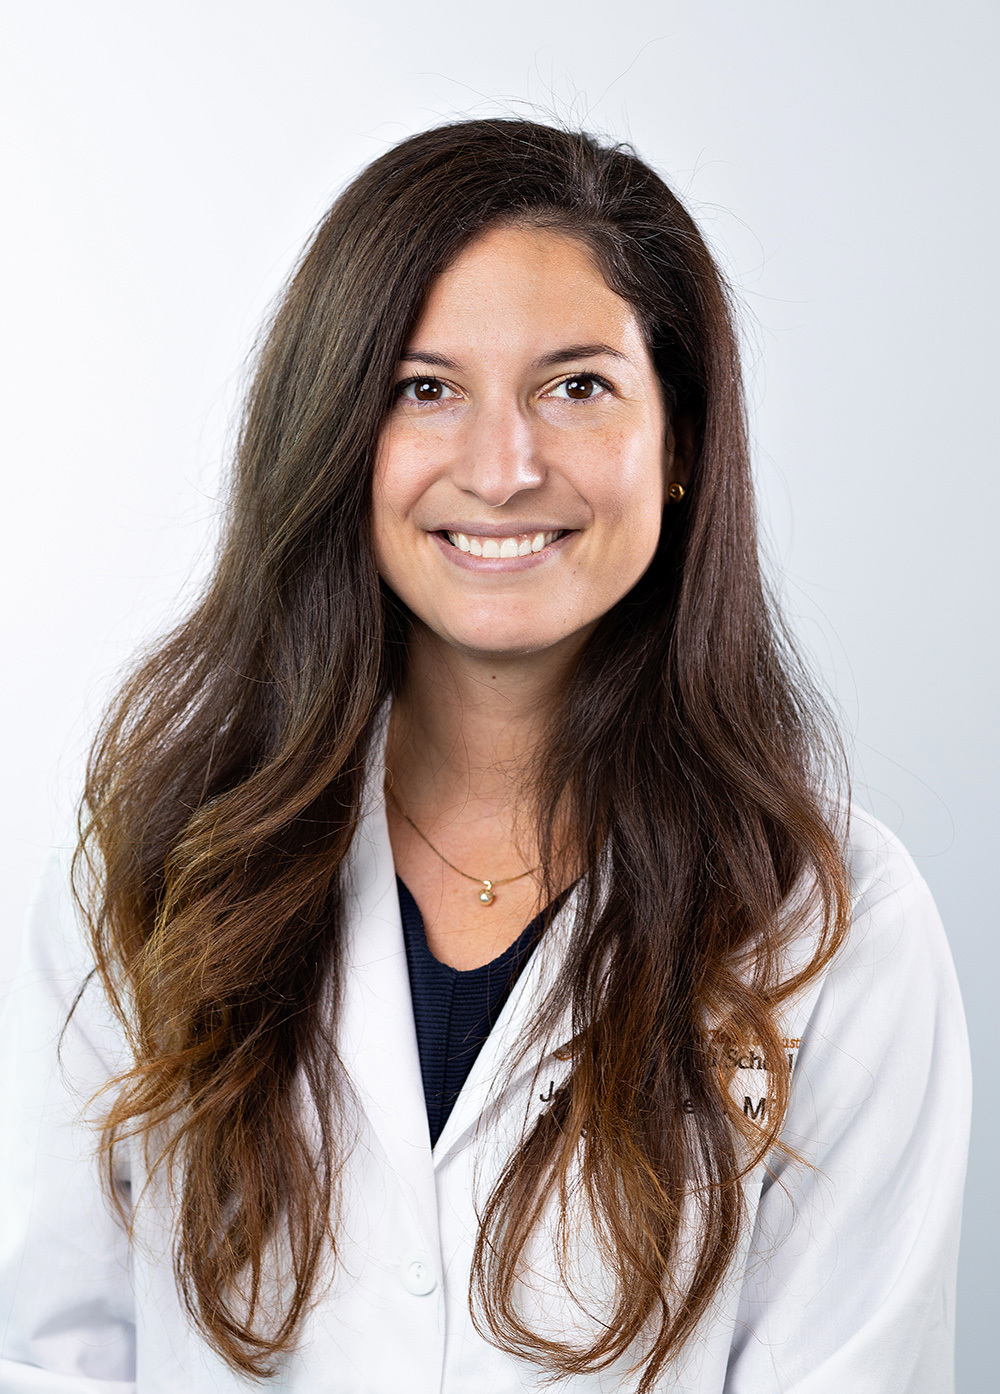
[527, 286]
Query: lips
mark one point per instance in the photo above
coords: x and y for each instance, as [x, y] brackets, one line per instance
[519, 544]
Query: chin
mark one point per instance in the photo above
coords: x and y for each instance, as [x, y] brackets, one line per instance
[511, 642]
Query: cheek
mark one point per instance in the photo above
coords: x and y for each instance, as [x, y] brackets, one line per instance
[388, 503]
[406, 464]
[395, 486]
[624, 480]
[382, 514]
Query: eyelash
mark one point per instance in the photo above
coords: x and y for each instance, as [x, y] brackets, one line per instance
[401, 387]
[583, 377]
[570, 377]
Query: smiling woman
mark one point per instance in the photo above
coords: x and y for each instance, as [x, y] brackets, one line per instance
[527, 438]
[471, 960]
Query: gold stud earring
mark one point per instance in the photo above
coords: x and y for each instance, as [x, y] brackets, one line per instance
[675, 493]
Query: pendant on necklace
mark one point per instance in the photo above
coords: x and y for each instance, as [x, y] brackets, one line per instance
[487, 895]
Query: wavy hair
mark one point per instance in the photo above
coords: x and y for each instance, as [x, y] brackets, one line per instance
[225, 785]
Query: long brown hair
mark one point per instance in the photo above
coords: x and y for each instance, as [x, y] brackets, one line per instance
[225, 787]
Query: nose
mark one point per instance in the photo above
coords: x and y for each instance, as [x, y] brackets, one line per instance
[498, 455]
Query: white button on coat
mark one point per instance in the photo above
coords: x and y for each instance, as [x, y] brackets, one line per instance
[845, 1279]
[418, 1275]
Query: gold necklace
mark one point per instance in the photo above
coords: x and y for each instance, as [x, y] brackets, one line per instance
[487, 895]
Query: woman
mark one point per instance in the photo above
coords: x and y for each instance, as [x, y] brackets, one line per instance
[484, 980]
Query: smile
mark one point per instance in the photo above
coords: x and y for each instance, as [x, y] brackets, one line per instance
[519, 545]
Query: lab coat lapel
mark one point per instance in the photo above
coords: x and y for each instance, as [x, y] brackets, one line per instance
[491, 1075]
[377, 1037]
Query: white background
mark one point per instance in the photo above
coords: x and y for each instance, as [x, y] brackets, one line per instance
[165, 163]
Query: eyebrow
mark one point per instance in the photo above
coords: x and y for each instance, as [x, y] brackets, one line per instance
[547, 360]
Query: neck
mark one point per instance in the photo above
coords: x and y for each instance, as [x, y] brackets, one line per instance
[465, 726]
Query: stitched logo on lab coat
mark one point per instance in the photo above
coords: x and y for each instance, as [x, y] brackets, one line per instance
[749, 1074]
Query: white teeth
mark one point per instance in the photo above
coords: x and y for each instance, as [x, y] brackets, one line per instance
[519, 546]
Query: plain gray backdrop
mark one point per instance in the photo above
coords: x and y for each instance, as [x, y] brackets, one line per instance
[165, 163]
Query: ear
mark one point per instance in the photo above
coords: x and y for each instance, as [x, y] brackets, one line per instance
[678, 452]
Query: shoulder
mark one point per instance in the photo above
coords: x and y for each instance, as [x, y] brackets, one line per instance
[887, 1007]
[895, 929]
[56, 998]
[877, 862]
[885, 1017]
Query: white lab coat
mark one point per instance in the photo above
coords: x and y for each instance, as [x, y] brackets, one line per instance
[845, 1280]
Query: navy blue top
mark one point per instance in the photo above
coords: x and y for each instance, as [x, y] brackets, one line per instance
[456, 1010]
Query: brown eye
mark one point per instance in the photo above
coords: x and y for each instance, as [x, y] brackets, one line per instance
[427, 390]
[579, 388]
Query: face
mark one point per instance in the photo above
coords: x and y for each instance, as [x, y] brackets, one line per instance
[521, 473]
